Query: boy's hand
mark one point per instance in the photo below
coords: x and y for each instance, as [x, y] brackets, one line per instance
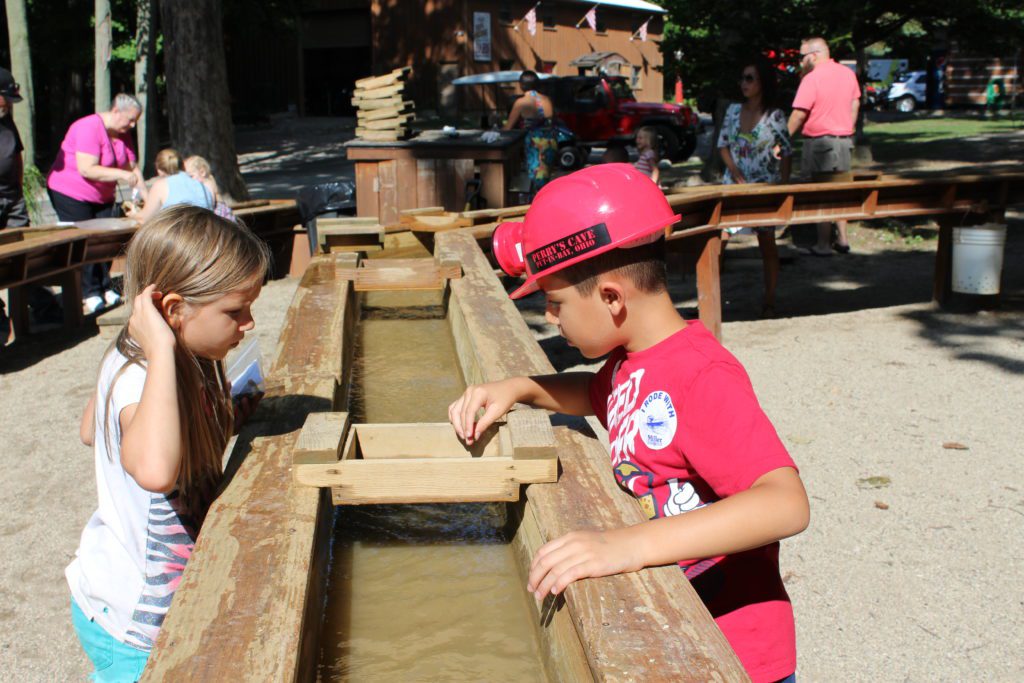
[147, 325]
[581, 555]
[496, 398]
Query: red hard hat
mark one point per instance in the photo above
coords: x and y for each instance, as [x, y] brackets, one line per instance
[580, 215]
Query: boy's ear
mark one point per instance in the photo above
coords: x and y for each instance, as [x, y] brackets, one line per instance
[612, 295]
[173, 307]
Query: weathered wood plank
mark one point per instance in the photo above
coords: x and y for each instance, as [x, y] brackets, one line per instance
[376, 441]
[387, 91]
[394, 76]
[321, 438]
[531, 434]
[427, 480]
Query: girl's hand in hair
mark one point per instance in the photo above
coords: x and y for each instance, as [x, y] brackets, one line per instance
[147, 325]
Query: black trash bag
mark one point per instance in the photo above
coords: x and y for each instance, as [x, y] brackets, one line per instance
[337, 197]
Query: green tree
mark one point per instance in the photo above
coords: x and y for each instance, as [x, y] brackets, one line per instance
[101, 56]
[21, 69]
[198, 100]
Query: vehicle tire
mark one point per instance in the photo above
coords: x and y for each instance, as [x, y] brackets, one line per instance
[570, 157]
[906, 104]
[668, 145]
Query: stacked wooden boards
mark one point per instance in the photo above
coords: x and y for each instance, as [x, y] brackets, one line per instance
[481, 223]
[381, 113]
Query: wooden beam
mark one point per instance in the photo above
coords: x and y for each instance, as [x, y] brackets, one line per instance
[709, 287]
[427, 480]
[421, 440]
[531, 434]
[386, 91]
[394, 76]
[321, 438]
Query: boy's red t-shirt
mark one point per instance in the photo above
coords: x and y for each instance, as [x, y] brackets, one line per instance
[685, 430]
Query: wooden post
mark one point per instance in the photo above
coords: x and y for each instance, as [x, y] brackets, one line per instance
[943, 261]
[321, 438]
[71, 297]
[709, 286]
[531, 434]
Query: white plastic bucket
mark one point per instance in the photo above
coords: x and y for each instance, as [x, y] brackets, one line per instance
[978, 258]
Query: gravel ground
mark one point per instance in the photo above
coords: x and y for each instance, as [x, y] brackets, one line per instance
[905, 422]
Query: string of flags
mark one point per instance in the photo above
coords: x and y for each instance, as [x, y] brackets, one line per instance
[642, 32]
[590, 17]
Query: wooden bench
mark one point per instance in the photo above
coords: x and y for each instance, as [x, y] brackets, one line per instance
[55, 254]
[951, 200]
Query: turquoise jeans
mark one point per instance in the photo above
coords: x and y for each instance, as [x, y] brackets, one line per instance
[113, 661]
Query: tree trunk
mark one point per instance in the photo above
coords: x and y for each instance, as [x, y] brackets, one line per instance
[21, 68]
[197, 88]
[145, 82]
[101, 59]
[862, 144]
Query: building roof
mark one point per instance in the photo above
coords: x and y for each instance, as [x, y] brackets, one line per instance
[624, 4]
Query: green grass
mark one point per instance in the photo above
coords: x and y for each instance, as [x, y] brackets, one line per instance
[929, 130]
[963, 140]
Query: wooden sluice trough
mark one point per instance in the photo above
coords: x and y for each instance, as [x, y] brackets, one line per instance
[252, 600]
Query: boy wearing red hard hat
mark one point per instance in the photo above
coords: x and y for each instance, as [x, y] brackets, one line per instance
[687, 436]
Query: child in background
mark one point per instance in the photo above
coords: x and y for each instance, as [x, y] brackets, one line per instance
[687, 436]
[199, 168]
[647, 147]
[159, 422]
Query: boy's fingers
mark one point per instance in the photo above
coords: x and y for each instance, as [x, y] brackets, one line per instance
[455, 417]
[491, 414]
[560, 576]
[469, 411]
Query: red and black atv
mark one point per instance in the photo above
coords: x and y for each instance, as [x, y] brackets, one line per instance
[602, 111]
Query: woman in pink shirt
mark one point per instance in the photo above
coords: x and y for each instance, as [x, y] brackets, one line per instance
[97, 153]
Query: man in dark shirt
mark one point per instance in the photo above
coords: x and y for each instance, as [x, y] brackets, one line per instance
[12, 199]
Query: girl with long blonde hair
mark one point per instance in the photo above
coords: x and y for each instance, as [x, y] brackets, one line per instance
[159, 422]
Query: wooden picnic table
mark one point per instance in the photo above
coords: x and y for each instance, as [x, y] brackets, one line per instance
[55, 254]
[953, 201]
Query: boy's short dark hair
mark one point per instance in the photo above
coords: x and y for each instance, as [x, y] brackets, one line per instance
[643, 265]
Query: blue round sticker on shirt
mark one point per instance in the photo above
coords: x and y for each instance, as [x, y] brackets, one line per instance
[657, 420]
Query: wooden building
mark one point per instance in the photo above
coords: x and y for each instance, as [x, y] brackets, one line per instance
[342, 40]
[968, 79]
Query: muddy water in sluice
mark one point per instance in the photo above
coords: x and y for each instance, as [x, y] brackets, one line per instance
[421, 592]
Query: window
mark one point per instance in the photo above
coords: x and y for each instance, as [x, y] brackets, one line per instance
[505, 64]
[505, 13]
[636, 79]
[547, 18]
[601, 28]
[547, 67]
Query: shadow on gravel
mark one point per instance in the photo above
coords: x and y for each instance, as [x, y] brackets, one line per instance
[41, 345]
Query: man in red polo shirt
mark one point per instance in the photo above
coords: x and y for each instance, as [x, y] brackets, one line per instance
[825, 109]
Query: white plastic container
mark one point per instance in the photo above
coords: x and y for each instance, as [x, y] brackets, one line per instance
[245, 370]
[978, 258]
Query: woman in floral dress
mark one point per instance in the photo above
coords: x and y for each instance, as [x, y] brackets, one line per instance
[755, 146]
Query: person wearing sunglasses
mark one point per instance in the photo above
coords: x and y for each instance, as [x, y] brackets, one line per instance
[754, 145]
[13, 213]
[824, 111]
